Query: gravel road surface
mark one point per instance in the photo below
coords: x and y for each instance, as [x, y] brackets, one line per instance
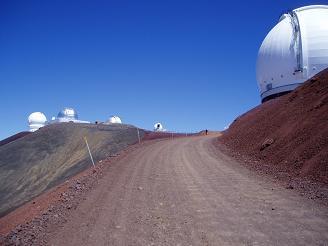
[186, 192]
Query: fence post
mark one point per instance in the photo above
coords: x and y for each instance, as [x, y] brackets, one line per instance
[138, 135]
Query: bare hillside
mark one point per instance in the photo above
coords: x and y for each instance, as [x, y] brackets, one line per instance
[288, 134]
[39, 161]
[13, 138]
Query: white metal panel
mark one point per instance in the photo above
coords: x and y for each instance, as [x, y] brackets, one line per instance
[276, 61]
[278, 69]
[314, 32]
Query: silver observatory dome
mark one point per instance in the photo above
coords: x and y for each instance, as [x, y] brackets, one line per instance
[68, 113]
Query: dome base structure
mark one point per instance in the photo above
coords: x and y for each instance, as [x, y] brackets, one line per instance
[278, 91]
[35, 127]
[273, 96]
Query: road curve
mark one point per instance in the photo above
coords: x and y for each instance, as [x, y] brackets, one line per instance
[186, 192]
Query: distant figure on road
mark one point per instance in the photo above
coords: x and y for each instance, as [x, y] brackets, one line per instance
[206, 132]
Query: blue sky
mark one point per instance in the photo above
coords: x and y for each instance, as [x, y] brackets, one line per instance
[188, 64]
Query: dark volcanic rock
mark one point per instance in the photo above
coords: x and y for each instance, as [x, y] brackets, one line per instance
[267, 142]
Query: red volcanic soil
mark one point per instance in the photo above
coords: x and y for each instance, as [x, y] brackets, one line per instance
[31, 220]
[13, 138]
[287, 136]
[149, 135]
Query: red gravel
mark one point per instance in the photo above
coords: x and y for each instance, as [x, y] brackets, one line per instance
[288, 136]
[31, 221]
[177, 192]
[149, 135]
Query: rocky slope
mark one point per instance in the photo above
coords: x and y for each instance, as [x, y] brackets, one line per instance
[287, 135]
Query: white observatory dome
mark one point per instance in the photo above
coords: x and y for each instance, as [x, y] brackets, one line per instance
[114, 120]
[294, 50]
[158, 127]
[36, 120]
[68, 114]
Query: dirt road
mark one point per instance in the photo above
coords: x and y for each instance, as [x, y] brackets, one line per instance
[185, 192]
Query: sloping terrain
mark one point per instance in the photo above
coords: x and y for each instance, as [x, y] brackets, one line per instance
[289, 134]
[39, 161]
[13, 138]
[180, 191]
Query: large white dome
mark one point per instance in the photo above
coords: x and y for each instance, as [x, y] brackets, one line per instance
[114, 120]
[36, 120]
[293, 51]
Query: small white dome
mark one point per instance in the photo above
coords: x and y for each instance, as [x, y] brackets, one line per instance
[36, 120]
[293, 51]
[114, 120]
[158, 127]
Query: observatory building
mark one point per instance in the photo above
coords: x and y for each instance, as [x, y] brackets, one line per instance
[293, 51]
[67, 115]
[158, 127]
[36, 120]
[114, 120]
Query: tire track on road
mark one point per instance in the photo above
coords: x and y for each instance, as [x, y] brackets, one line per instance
[184, 192]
